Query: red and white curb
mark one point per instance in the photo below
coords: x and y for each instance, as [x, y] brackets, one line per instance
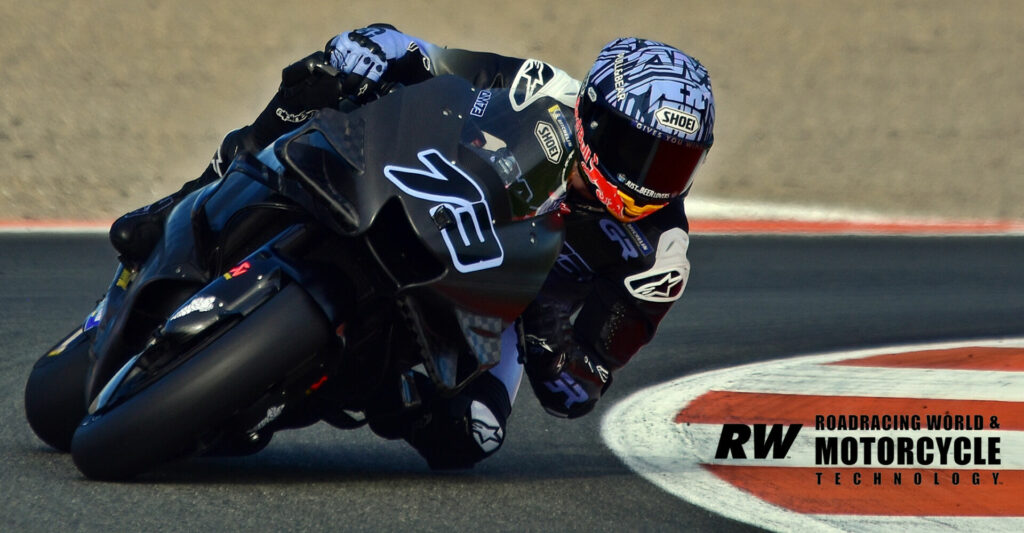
[671, 435]
[721, 216]
[54, 226]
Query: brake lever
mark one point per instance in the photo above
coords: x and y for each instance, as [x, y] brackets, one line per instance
[316, 66]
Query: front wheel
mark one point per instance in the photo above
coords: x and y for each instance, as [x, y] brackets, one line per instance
[55, 393]
[165, 420]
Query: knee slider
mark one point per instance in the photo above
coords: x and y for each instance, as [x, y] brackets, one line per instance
[464, 429]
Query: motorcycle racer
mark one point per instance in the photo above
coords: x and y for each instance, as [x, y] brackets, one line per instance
[637, 129]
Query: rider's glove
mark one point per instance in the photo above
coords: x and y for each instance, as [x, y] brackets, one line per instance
[567, 378]
[303, 91]
[568, 383]
[365, 54]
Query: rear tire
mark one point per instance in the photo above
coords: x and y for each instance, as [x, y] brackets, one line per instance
[165, 421]
[55, 393]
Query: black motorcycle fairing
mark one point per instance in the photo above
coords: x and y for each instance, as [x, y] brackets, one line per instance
[205, 235]
[408, 146]
[215, 308]
[169, 276]
[421, 150]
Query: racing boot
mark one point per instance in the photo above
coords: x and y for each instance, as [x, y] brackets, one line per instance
[464, 429]
[136, 233]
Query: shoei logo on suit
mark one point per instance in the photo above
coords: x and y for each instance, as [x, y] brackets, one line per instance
[548, 142]
[677, 120]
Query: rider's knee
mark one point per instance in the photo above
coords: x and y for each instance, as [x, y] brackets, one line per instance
[465, 429]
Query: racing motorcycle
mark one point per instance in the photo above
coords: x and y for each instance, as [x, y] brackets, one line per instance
[370, 253]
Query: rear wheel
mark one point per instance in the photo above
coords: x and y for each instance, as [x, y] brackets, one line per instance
[165, 420]
[55, 392]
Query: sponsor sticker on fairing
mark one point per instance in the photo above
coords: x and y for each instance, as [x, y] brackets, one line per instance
[96, 316]
[240, 269]
[480, 105]
[548, 140]
[201, 304]
[272, 414]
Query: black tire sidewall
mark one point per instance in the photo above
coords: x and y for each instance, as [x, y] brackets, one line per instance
[164, 421]
[55, 400]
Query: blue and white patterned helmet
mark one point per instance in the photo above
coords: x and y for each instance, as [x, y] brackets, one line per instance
[644, 123]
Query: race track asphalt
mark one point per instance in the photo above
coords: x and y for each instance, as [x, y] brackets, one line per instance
[750, 298]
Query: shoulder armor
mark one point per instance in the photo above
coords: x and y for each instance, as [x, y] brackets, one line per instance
[666, 279]
[536, 79]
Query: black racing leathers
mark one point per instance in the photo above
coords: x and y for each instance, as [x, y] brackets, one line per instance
[611, 286]
[613, 282]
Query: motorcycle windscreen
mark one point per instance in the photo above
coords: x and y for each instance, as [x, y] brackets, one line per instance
[528, 149]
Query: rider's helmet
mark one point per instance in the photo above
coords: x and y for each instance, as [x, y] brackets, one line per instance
[644, 121]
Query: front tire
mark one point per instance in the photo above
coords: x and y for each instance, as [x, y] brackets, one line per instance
[164, 421]
[55, 393]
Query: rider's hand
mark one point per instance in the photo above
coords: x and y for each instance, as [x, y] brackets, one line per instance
[366, 52]
[567, 383]
[303, 91]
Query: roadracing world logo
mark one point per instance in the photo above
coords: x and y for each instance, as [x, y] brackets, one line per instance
[902, 438]
[905, 441]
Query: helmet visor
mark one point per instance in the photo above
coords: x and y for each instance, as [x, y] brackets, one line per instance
[647, 168]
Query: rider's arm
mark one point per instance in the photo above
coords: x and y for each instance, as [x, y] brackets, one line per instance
[615, 325]
[381, 53]
[484, 70]
[622, 312]
[578, 333]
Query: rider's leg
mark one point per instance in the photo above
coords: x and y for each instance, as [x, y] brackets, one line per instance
[134, 234]
[301, 93]
[469, 427]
